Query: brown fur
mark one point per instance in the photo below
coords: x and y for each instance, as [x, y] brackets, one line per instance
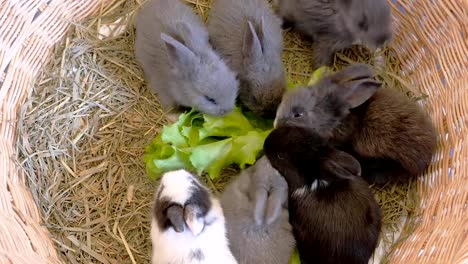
[333, 212]
[381, 126]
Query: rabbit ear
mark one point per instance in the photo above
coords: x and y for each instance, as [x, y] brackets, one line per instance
[353, 72]
[252, 46]
[177, 52]
[342, 165]
[175, 216]
[261, 31]
[192, 219]
[360, 91]
[276, 199]
[356, 84]
[260, 198]
[268, 205]
[185, 32]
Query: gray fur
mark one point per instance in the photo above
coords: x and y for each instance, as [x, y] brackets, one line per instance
[255, 208]
[248, 36]
[392, 137]
[197, 255]
[338, 24]
[178, 61]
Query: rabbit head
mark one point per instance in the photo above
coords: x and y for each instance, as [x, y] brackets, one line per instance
[188, 224]
[181, 202]
[367, 21]
[293, 152]
[323, 106]
[302, 157]
[263, 79]
[206, 82]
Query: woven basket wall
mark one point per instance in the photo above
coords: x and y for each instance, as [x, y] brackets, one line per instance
[431, 39]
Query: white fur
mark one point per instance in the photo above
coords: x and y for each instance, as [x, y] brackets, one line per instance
[177, 185]
[313, 187]
[299, 192]
[316, 184]
[172, 247]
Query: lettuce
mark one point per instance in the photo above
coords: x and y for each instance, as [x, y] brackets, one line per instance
[205, 143]
[295, 259]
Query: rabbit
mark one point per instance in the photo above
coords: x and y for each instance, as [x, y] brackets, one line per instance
[254, 206]
[173, 48]
[393, 138]
[188, 224]
[248, 36]
[332, 210]
[338, 24]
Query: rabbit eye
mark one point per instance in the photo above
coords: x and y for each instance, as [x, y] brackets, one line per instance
[297, 112]
[211, 100]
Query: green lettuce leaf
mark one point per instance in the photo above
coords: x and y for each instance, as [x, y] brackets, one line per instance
[161, 157]
[232, 124]
[211, 157]
[205, 143]
[245, 149]
[319, 74]
[172, 135]
[295, 259]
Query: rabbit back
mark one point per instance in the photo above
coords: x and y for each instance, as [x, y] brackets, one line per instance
[248, 36]
[268, 241]
[398, 130]
[227, 25]
[150, 50]
[338, 24]
[345, 231]
[178, 61]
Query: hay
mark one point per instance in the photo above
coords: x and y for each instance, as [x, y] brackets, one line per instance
[87, 122]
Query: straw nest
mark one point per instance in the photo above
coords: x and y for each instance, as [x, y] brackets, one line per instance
[90, 116]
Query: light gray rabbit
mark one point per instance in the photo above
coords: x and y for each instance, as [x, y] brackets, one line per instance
[392, 137]
[248, 36]
[337, 24]
[179, 63]
[255, 209]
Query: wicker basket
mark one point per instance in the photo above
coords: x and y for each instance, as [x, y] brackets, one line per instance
[431, 39]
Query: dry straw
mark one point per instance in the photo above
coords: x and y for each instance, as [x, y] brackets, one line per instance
[76, 117]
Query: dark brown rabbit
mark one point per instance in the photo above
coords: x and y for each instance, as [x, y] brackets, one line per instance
[334, 215]
[391, 135]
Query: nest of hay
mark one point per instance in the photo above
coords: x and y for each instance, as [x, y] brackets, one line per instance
[90, 116]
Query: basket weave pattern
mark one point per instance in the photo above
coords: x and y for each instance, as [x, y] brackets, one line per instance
[431, 38]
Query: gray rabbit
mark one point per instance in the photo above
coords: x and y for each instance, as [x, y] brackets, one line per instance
[257, 224]
[337, 24]
[248, 36]
[393, 138]
[179, 63]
